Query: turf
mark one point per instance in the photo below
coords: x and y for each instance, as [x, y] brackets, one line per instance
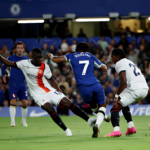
[43, 134]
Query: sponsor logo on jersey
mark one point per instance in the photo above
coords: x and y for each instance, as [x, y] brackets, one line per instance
[34, 76]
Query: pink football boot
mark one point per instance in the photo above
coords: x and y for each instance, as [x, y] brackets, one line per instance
[114, 134]
[130, 131]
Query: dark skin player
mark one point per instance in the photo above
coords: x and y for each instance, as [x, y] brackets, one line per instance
[122, 84]
[36, 61]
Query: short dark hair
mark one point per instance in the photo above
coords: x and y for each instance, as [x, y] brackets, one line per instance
[83, 47]
[36, 51]
[120, 52]
[19, 43]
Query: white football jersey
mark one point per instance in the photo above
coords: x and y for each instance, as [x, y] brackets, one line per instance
[135, 79]
[36, 76]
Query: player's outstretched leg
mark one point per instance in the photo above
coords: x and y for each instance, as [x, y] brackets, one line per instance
[12, 111]
[51, 111]
[24, 110]
[115, 123]
[127, 115]
[67, 103]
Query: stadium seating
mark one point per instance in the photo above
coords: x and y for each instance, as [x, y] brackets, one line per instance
[30, 43]
[8, 42]
[53, 41]
[140, 37]
[96, 39]
[78, 39]
[131, 38]
[118, 38]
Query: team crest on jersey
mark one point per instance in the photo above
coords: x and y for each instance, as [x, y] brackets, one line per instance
[13, 95]
[15, 9]
[41, 71]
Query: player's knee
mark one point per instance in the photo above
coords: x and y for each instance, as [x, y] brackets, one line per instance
[65, 102]
[102, 110]
[49, 108]
[13, 101]
[24, 103]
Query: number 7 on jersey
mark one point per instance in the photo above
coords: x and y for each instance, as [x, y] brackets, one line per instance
[86, 62]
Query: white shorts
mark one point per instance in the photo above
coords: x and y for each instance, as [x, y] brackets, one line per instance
[129, 96]
[53, 97]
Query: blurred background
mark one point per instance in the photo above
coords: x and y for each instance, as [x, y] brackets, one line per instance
[57, 26]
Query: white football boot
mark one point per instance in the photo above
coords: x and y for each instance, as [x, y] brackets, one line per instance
[24, 124]
[12, 124]
[68, 132]
[92, 121]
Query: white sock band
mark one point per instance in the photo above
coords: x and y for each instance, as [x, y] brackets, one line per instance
[117, 128]
[130, 124]
[100, 116]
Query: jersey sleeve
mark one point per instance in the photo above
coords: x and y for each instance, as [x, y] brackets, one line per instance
[47, 72]
[68, 56]
[97, 63]
[119, 67]
[19, 64]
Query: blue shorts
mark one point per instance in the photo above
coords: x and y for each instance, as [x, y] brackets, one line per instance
[18, 91]
[92, 93]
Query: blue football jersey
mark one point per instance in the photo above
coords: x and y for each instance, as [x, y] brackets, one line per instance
[83, 67]
[16, 75]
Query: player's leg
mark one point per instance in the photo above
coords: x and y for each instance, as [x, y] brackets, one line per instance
[51, 111]
[23, 96]
[99, 98]
[24, 111]
[12, 111]
[58, 98]
[95, 108]
[13, 91]
[115, 120]
[127, 115]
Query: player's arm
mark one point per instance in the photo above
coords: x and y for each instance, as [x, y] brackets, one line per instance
[7, 62]
[99, 65]
[56, 59]
[54, 84]
[122, 84]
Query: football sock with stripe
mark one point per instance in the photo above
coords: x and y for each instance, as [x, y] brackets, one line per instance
[127, 115]
[100, 116]
[115, 119]
[77, 111]
[12, 111]
[24, 113]
[58, 121]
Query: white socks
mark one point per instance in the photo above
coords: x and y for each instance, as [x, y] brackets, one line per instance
[24, 113]
[130, 124]
[12, 111]
[117, 128]
[100, 116]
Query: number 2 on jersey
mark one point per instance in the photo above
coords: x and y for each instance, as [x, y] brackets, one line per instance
[86, 62]
[135, 73]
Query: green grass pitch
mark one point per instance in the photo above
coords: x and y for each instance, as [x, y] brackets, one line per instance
[43, 134]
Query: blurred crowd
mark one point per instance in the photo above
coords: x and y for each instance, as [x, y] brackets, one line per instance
[62, 72]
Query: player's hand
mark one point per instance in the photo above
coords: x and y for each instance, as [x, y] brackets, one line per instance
[116, 102]
[48, 55]
[4, 78]
[103, 67]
